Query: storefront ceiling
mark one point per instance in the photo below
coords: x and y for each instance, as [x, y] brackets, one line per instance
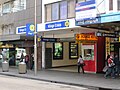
[15, 37]
[66, 33]
[113, 26]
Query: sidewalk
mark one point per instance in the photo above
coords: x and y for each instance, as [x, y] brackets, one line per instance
[72, 78]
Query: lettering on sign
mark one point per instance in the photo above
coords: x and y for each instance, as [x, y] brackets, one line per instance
[86, 37]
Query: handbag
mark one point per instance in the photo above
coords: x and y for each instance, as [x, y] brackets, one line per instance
[83, 64]
[105, 68]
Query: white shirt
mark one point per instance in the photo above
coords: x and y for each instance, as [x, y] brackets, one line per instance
[80, 60]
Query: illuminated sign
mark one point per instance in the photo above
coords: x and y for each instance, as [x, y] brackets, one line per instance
[6, 46]
[86, 37]
[107, 46]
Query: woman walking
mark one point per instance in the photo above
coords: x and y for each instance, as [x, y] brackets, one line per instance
[80, 64]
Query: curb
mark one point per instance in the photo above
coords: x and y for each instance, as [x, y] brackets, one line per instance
[53, 81]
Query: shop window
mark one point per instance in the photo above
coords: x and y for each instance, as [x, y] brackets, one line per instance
[73, 50]
[55, 11]
[48, 12]
[63, 10]
[118, 2]
[57, 51]
[71, 8]
[110, 5]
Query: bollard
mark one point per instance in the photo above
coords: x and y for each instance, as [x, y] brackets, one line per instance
[5, 66]
[22, 68]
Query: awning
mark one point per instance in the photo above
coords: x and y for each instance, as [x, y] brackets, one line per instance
[14, 37]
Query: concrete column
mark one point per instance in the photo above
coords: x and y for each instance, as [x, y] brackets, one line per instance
[43, 55]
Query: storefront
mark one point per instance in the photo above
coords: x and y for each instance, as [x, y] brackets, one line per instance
[92, 51]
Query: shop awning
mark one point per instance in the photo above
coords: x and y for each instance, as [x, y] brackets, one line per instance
[14, 37]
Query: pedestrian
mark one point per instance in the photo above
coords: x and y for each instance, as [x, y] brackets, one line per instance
[106, 62]
[32, 61]
[22, 57]
[111, 68]
[117, 65]
[80, 64]
[27, 61]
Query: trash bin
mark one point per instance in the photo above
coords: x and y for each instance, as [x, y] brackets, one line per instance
[22, 68]
[5, 66]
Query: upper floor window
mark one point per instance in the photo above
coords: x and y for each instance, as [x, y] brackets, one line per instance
[18, 5]
[48, 10]
[63, 10]
[118, 6]
[13, 6]
[110, 5]
[6, 8]
[71, 8]
[55, 11]
[60, 10]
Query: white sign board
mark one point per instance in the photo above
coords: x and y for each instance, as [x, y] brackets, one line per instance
[85, 10]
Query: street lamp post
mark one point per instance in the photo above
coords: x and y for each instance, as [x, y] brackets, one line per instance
[35, 42]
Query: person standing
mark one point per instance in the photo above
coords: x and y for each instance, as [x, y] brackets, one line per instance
[27, 61]
[80, 64]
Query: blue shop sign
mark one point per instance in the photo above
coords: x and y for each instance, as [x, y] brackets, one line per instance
[30, 29]
[88, 21]
[55, 25]
[22, 29]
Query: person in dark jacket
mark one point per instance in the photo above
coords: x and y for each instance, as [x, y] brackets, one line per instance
[111, 66]
[117, 65]
[22, 57]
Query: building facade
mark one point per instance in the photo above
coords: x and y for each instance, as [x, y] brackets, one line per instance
[65, 29]
[14, 15]
[62, 19]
